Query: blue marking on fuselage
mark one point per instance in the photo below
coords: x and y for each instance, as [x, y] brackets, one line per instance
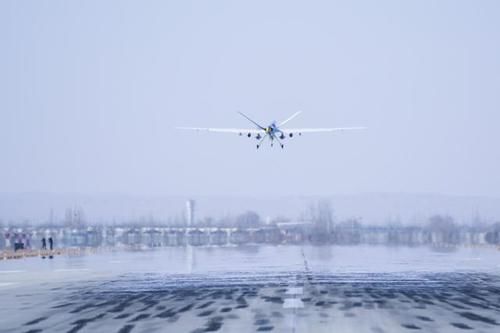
[272, 131]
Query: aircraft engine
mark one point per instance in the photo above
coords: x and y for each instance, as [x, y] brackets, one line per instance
[258, 137]
[249, 135]
[290, 135]
[282, 136]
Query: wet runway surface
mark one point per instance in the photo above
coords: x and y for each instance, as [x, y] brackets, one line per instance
[297, 290]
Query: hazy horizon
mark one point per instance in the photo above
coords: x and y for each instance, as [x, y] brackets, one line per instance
[371, 208]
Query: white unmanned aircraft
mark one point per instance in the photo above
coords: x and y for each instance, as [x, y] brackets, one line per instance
[273, 131]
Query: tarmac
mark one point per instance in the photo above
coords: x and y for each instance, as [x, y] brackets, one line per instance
[255, 289]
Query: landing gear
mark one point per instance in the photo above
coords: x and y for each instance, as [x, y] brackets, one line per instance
[262, 140]
[281, 143]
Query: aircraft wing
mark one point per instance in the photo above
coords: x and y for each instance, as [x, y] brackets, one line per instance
[318, 130]
[224, 130]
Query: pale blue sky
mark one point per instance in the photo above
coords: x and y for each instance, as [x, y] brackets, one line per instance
[90, 93]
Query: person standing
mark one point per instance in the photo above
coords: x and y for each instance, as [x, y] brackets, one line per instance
[51, 243]
[44, 244]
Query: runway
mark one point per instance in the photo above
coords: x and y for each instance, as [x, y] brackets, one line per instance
[263, 289]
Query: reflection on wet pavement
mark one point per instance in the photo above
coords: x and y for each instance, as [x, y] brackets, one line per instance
[305, 293]
[255, 302]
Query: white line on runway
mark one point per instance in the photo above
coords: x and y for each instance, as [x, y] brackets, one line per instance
[6, 284]
[294, 291]
[293, 303]
[11, 272]
[72, 270]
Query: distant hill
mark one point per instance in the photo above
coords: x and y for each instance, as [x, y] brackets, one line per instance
[374, 208]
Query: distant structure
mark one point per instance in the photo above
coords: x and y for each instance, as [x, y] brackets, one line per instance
[74, 217]
[190, 206]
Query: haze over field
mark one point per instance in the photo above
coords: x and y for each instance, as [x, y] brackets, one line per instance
[90, 93]
[373, 208]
